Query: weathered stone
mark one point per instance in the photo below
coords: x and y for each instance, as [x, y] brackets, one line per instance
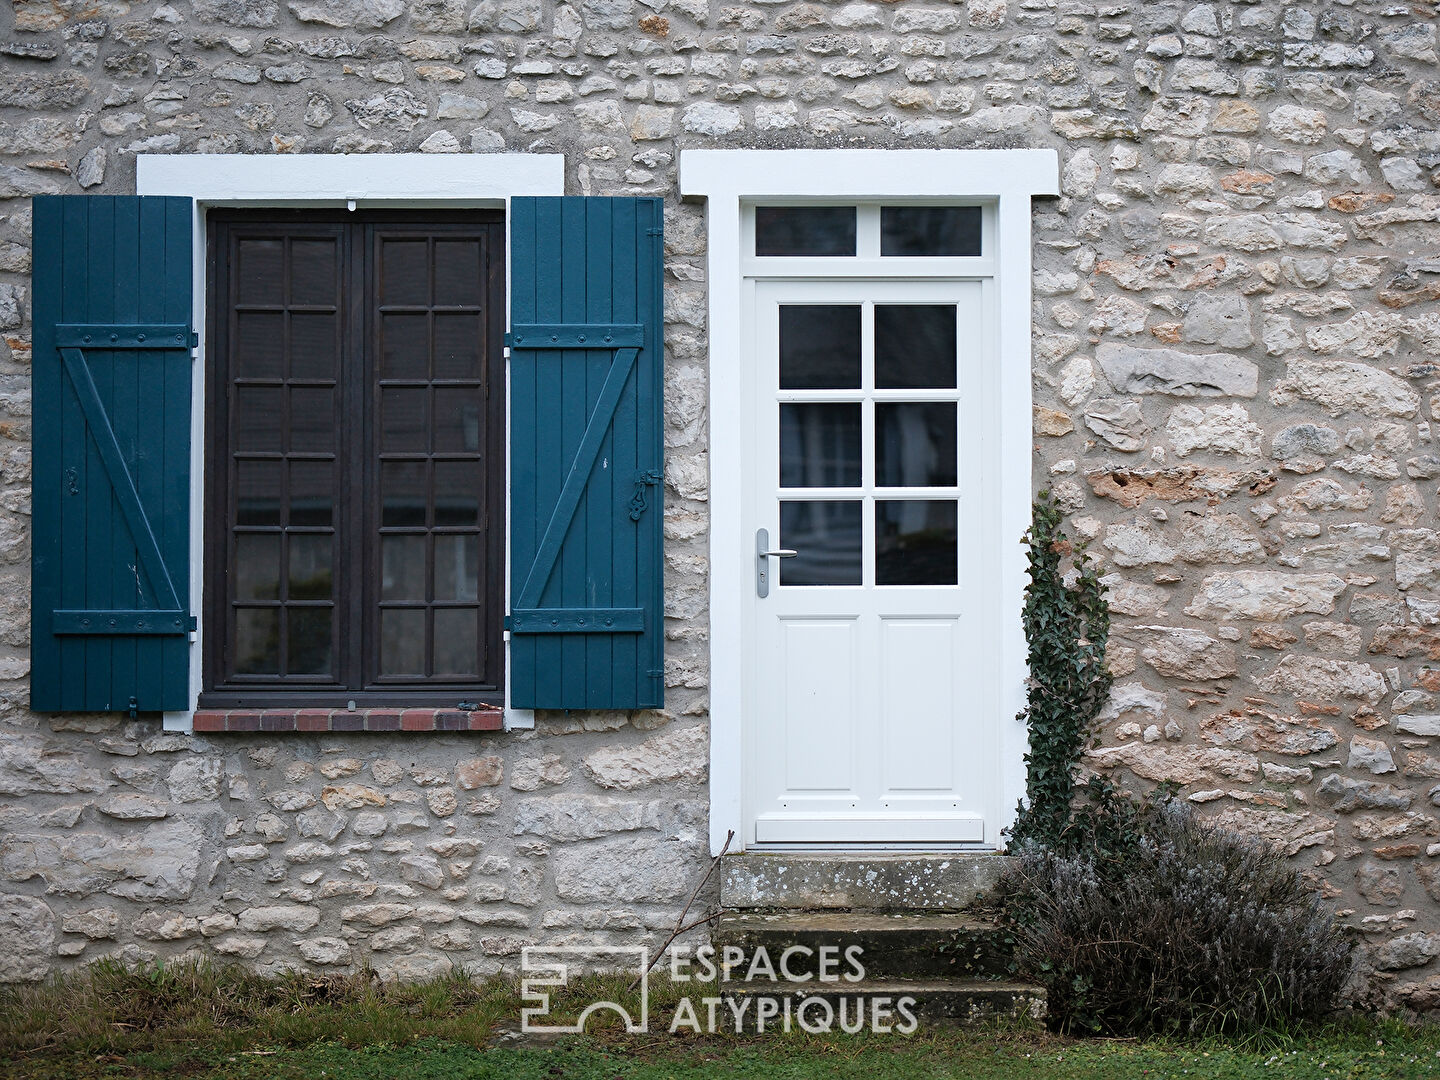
[1265, 595]
[1320, 679]
[1137, 543]
[166, 926]
[293, 917]
[132, 806]
[1407, 951]
[1340, 386]
[195, 779]
[577, 817]
[29, 767]
[623, 871]
[1345, 795]
[1258, 732]
[1370, 754]
[345, 13]
[1133, 370]
[327, 951]
[1290, 832]
[1219, 319]
[1221, 429]
[479, 772]
[1185, 653]
[1117, 423]
[1418, 724]
[159, 862]
[96, 924]
[376, 914]
[531, 774]
[422, 870]
[1177, 764]
[679, 754]
[1417, 558]
[27, 926]
[350, 797]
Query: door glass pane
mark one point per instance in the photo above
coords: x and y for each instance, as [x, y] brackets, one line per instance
[404, 273]
[457, 562]
[458, 341]
[312, 419]
[259, 345]
[402, 641]
[310, 567]
[404, 419]
[257, 641]
[930, 230]
[805, 230]
[257, 418]
[915, 346]
[457, 500]
[915, 542]
[457, 272]
[820, 445]
[260, 271]
[827, 537]
[308, 648]
[457, 420]
[402, 569]
[915, 444]
[257, 566]
[313, 347]
[819, 346]
[455, 639]
[402, 493]
[312, 272]
[257, 493]
[312, 493]
[405, 347]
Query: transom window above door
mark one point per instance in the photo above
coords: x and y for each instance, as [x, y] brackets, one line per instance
[355, 439]
[868, 230]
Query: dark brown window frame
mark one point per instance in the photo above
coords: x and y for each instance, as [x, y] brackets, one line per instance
[357, 563]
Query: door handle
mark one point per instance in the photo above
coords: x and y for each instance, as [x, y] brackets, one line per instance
[763, 555]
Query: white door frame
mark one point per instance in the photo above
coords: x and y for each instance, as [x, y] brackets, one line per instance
[410, 181]
[729, 179]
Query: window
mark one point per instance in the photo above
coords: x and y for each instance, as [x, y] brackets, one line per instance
[355, 449]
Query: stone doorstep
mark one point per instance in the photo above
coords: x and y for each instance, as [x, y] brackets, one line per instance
[912, 946]
[964, 1001]
[321, 720]
[857, 882]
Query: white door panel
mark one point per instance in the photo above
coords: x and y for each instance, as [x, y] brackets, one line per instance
[870, 718]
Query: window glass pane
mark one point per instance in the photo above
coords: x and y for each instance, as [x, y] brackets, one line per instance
[312, 419]
[805, 230]
[402, 493]
[458, 342]
[404, 420]
[257, 493]
[827, 537]
[402, 641]
[313, 265]
[457, 500]
[404, 273]
[915, 346]
[402, 569]
[820, 445]
[930, 230]
[309, 646]
[310, 567]
[260, 271]
[405, 347]
[256, 421]
[312, 493]
[457, 420]
[257, 566]
[455, 641]
[257, 641]
[457, 568]
[259, 351]
[314, 348]
[915, 543]
[915, 444]
[457, 273]
[819, 346]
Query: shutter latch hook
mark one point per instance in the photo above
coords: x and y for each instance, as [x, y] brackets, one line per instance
[134, 706]
[637, 501]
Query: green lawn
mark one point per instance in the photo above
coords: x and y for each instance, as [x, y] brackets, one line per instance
[213, 1023]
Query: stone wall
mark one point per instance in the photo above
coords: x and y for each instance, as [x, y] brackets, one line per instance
[1236, 342]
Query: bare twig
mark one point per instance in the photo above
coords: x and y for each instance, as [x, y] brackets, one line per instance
[680, 926]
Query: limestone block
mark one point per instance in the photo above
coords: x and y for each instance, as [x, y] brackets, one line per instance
[679, 754]
[1133, 370]
[1265, 595]
[27, 926]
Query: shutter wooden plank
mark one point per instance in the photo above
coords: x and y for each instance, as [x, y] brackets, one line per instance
[582, 266]
[110, 569]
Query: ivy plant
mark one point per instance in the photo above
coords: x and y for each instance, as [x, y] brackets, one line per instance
[1066, 626]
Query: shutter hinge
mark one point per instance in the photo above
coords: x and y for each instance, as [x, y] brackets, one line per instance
[506, 623]
[643, 480]
[655, 230]
[655, 673]
[194, 339]
[509, 340]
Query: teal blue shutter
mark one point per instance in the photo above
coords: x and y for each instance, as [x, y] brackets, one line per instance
[110, 616]
[586, 502]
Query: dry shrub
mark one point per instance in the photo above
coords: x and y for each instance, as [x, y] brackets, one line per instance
[1145, 920]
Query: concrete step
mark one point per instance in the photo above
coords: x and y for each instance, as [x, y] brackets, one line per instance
[963, 1001]
[849, 882]
[892, 945]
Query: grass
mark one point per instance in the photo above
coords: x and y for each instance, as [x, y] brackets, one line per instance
[207, 1023]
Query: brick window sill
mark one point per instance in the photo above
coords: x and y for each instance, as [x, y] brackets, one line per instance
[271, 721]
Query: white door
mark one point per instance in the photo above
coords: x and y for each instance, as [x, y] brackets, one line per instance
[872, 714]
